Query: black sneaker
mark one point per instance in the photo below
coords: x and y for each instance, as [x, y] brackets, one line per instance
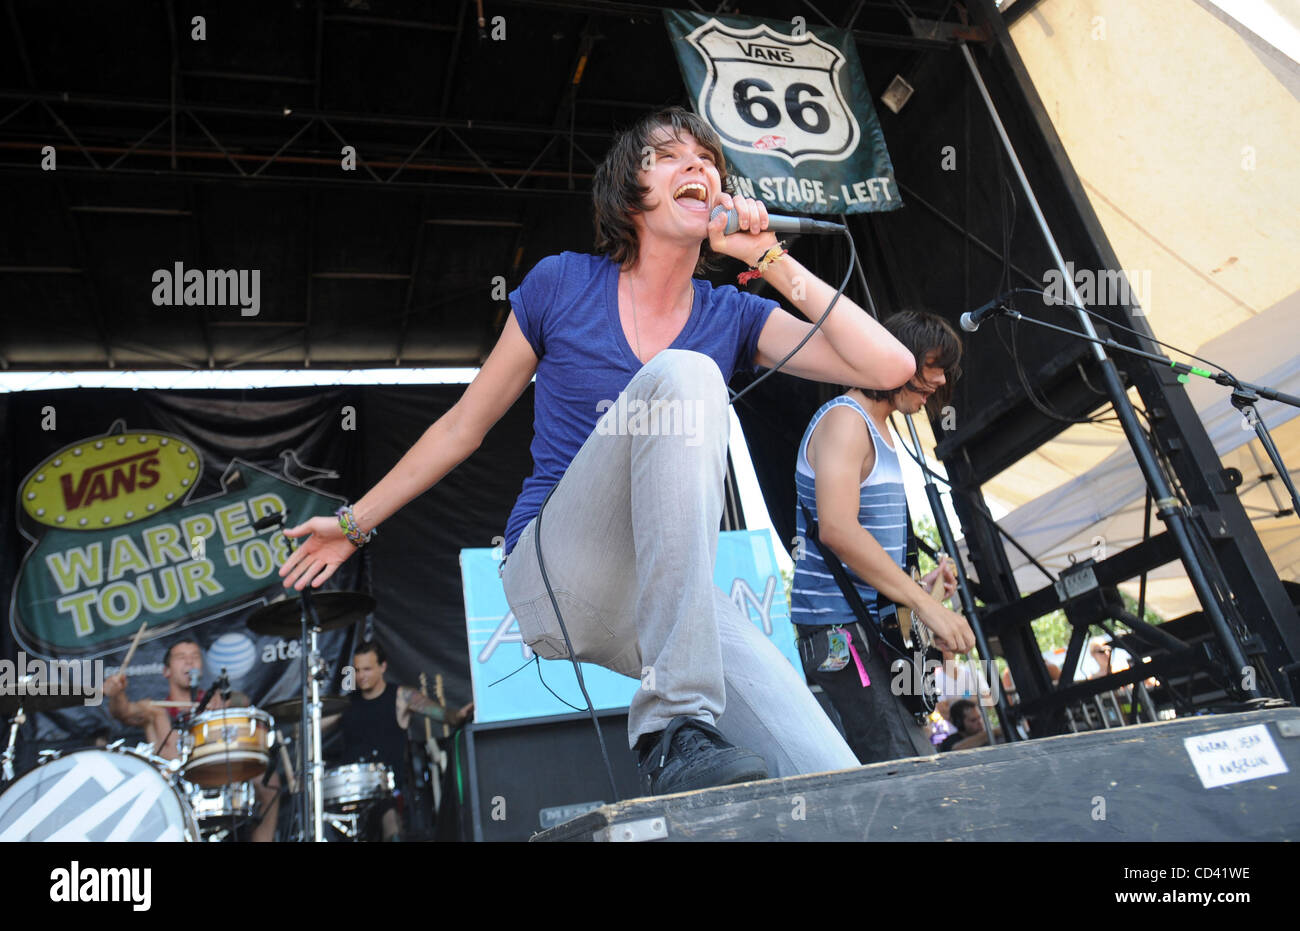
[690, 754]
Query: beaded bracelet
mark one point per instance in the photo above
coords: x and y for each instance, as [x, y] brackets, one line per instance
[351, 529]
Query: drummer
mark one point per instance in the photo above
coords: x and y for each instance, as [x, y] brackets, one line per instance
[374, 725]
[159, 723]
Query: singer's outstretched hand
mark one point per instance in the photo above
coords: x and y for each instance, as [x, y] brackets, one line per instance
[319, 555]
[752, 240]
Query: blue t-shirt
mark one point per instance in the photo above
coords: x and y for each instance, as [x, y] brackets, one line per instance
[567, 307]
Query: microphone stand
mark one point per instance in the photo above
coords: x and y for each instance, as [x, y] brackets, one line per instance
[313, 669]
[1009, 732]
[311, 800]
[223, 683]
[1245, 395]
[949, 542]
[1162, 493]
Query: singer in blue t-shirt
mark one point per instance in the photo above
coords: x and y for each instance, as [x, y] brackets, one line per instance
[632, 354]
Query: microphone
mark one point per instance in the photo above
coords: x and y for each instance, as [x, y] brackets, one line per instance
[268, 520]
[777, 223]
[221, 685]
[194, 682]
[207, 697]
[971, 320]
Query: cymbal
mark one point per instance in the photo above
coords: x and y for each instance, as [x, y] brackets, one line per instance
[290, 712]
[335, 610]
[34, 704]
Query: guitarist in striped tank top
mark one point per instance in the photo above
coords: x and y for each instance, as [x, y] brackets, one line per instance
[847, 477]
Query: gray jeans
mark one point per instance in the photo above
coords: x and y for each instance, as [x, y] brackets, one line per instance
[630, 539]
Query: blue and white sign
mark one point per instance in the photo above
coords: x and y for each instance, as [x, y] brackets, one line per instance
[746, 570]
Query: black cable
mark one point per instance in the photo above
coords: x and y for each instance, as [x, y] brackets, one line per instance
[526, 664]
[158, 749]
[1007, 229]
[577, 668]
[1198, 534]
[549, 689]
[976, 506]
[853, 258]
[1119, 326]
[1041, 405]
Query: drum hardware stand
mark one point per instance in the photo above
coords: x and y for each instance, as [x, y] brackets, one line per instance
[317, 612]
[313, 672]
[311, 804]
[1244, 398]
[19, 719]
[349, 824]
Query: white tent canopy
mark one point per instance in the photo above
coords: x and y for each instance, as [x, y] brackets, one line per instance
[1104, 507]
[1180, 122]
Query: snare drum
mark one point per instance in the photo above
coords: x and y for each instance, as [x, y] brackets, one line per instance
[228, 745]
[347, 788]
[223, 807]
[96, 795]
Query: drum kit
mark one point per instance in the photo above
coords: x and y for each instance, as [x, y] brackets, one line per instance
[207, 793]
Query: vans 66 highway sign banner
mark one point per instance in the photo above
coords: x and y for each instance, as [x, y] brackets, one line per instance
[792, 107]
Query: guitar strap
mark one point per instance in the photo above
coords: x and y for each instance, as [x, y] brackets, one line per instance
[912, 559]
[849, 590]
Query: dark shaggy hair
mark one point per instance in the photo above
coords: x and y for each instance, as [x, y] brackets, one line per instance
[923, 333]
[167, 657]
[372, 646]
[957, 713]
[617, 192]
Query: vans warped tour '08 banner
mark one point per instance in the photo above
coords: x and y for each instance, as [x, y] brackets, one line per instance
[138, 508]
[791, 104]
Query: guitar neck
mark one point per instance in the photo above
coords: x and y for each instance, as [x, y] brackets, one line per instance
[424, 690]
[442, 700]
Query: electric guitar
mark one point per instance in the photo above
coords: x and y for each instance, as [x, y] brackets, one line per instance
[911, 648]
[437, 756]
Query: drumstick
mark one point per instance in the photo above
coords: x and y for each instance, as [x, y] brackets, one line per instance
[288, 769]
[173, 704]
[134, 643]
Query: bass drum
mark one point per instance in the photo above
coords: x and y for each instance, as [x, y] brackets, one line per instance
[96, 795]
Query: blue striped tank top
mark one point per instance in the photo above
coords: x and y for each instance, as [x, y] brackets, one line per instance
[815, 599]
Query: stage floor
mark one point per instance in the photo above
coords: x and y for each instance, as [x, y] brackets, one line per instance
[1226, 777]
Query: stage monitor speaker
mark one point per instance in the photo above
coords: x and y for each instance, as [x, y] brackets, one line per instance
[529, 775]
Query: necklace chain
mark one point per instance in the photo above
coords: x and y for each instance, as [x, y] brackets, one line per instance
[636, 330]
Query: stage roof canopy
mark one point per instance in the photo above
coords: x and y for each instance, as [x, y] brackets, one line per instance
[474, 158]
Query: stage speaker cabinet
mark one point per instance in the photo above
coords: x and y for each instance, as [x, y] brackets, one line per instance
[533, 774]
